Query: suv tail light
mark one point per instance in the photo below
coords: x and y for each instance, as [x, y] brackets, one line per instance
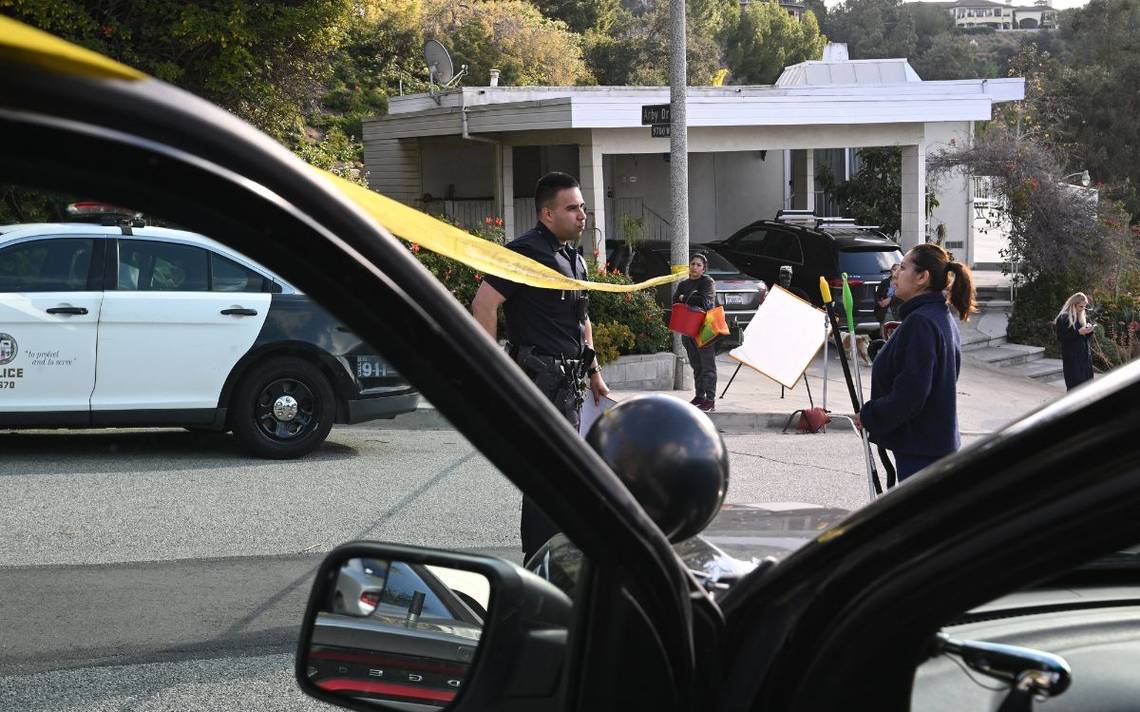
[370, 598]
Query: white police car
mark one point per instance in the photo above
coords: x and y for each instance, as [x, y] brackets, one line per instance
[124, 326]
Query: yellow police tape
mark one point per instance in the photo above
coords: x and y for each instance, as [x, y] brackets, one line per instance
[482, 255]
[21, 43]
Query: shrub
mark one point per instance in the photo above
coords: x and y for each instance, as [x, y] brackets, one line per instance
[611, 339]
[1037, 304]
[459, 279]
[638, 311]
[1117, 342]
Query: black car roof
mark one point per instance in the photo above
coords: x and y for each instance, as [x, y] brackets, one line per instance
[844, 235]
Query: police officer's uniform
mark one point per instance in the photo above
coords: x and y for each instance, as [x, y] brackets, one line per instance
[546, 328]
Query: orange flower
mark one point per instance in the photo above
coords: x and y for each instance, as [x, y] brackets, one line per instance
[415, 248]
[478, 277]
[498, 222]
[488, 221]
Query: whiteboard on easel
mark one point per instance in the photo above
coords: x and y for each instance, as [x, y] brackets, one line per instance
[783, 337]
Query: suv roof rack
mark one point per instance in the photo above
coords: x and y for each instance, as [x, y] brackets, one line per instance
[807, 217]
[843, 222]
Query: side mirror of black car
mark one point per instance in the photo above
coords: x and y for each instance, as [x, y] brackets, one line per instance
[393, 627]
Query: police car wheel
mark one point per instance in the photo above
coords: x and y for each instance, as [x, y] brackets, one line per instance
[284, 409]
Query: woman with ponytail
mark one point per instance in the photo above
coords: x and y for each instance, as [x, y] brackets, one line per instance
[1074, 332]
[913, 409]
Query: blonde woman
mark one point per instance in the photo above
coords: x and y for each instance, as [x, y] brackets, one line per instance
[1074, 332]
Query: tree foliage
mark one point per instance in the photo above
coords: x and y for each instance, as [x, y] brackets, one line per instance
[873, 29]
[262, 61]
[873, 196]
[1054, 226]
[582, 15]
[379, 56]
[268, 63]
[1100, 85]
[947, 57]
[636, 50]
[766, 38]
[1065, 238]
[511, 36]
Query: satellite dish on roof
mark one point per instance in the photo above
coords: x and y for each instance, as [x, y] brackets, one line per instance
[439, 63]
[441, 71]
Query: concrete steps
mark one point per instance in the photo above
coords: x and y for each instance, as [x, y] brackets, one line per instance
[1046, 370]
[1007, 355]
[976, 341]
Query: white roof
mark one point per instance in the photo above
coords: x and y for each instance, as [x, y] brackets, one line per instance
[880, 92]
[865, 72]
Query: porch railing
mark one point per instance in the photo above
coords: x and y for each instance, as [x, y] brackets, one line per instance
[656, 226]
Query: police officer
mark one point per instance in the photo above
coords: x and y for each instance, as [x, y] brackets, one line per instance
[549, 329]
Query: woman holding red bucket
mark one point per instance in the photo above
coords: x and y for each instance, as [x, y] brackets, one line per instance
[699, 291]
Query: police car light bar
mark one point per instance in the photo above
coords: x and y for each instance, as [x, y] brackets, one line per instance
[104, 213]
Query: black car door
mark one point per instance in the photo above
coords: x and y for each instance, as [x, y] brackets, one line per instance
[746, 250]
[859, 606]
[146, 144]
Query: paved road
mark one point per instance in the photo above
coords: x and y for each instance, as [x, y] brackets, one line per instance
[165, 570]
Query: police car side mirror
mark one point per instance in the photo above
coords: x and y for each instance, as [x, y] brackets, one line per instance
[391, 626]
[670, 457]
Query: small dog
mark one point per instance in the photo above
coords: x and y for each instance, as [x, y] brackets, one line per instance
[862, 341]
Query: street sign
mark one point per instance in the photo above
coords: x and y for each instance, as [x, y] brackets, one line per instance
[655, 114]
[659, 131]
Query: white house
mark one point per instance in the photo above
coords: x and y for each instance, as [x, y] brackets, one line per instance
[1000, 15]
[478, 151]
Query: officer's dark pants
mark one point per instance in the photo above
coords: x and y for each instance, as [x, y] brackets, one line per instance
[703, 361]
[535, 528]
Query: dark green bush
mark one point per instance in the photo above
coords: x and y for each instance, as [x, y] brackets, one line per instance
[1035, 308]
[637, 310]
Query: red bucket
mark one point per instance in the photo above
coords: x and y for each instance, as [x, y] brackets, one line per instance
[686, 320]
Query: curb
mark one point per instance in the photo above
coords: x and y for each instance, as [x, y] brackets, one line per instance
[428, 418]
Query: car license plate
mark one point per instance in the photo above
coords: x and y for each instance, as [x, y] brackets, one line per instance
[736, 299]
[370, 367]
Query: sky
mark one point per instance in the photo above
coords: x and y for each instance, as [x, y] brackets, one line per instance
[1058, 4]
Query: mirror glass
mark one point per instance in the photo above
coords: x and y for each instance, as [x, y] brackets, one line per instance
[398, 634]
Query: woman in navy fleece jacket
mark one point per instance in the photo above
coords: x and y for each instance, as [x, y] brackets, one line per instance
[913, 409]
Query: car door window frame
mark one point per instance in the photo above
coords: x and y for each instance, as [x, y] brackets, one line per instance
[269, 208]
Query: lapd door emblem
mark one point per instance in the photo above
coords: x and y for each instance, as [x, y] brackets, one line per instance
[8, 349]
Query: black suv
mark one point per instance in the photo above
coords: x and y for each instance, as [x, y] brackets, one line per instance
[814, 247]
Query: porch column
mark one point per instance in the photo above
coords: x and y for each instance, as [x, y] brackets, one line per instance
[913, 230]
[505, 189]
[592, 180]
[787, 179]
[809, 179]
